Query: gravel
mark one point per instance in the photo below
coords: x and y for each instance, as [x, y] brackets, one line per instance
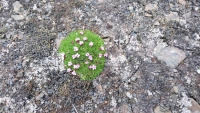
[153, 63]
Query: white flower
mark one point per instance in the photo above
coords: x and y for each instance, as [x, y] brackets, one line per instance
[73, 56]
[87, 54]
[81, 42]
[106, 55]
[69, 70]
[86, 62]
[100, 55]
[84, 38]
[76, 66]
[81, 32]
[91, 44]
[77, 39]
[77, 55]
[90, 57]
[75, 48]
[101, 48]
[74, 73]
[69, 63]
[93, 67]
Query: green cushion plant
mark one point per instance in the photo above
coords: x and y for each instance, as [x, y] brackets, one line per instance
[84, 54]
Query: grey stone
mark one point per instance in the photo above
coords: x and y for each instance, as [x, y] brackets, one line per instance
[129, 95]
[58, 41]
[170, 55]
[18, 17]
[17, 5]
[20, 74]
[148, 15]
[183, 2]
[196, 36]
[158, 110]
[133, 78]
[50, 91]
[175, 89]
[130, 8]
[125, 108]
[198, 71]
[172, 16]
[151, 7]
[38, 97]
[156, 23]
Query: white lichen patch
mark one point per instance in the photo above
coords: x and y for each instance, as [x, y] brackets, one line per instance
[116, 63]
[30, 107]
[55, 62]
[184, 103]
[117, 60]
[125, 73]
[7, 101]
[38, 72]
[188, 105]
[113, 102]
[154, 33]
[134, 45]
[11, 105]
[188, 80]
[5, 4]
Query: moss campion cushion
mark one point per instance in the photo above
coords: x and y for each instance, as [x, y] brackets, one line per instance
[85, 54]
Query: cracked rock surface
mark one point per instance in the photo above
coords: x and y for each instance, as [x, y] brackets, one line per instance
[153, 64]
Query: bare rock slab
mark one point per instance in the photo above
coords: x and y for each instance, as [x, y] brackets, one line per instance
[170, 55]
[195, 108]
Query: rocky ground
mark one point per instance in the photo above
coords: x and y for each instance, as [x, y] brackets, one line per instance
[153, 64]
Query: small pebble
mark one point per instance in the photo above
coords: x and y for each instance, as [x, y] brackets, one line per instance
[175, 89]
[156, 23]
[183, 2]
[198, 71]
[151, 7]
[18, 17]
[148, 15]
[130, 8]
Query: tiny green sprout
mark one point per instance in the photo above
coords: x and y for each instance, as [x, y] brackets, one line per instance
[85, 54]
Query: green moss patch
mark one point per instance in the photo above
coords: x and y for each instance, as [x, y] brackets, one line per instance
[84, 54]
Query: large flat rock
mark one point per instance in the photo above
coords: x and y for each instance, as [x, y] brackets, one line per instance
[172, 56]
